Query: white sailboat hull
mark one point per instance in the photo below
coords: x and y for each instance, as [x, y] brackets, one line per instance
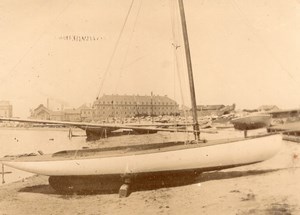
[198, 157]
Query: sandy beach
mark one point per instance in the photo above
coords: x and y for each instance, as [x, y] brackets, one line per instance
[270, 187]
[116, 68]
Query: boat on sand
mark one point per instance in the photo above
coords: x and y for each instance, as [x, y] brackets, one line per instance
[146, 159]
[125, 163]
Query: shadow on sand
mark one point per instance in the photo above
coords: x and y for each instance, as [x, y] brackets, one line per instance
[91, 185]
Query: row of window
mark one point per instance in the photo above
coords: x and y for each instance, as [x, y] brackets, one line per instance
[137, 103]
[137, 108]
[131, 108]
[87, 112]
[129, 113]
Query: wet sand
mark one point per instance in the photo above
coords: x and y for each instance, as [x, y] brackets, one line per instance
[270, 187]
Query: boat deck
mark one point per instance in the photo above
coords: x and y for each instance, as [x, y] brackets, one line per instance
[125, 150]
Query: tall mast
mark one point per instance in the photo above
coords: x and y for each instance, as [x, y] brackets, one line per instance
[190, 70]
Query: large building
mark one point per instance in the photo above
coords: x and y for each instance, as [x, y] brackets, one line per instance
[133, 105]
[6, 109]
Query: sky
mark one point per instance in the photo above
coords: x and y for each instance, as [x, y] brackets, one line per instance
[244, 52]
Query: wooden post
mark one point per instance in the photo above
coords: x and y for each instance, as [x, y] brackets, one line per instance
[3, 181]
[70, 133]
[105, 133]
[245, 133]
[124, 190]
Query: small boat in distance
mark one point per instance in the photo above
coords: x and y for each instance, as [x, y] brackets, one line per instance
[252, 122]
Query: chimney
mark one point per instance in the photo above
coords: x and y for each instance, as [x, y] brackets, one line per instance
[47, 103]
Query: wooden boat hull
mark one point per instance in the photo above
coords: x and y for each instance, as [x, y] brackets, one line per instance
[251, 122]
[178, 157]
[94, 133]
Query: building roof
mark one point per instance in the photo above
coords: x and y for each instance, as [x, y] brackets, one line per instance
[135, 99]
[268, 107]
[42, 107]
[84, 106]
[210, 107]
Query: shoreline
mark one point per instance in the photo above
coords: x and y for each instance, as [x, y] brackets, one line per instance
[40, 128]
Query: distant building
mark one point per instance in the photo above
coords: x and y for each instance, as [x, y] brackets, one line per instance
[209, 107]
[72, 115]
[80, 114]
[133, 105]
[41, 112]
[207, 110]
[86, 113]
[284, 113]
[57, 115]
[268, 108]
[6, 109]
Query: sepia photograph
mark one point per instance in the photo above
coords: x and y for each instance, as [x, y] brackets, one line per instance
[149, 107]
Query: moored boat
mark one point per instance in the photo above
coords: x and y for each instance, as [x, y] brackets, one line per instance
[252, 122]
[96, 133]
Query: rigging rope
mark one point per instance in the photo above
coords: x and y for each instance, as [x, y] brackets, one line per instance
[263, 43]
[175, 32]
[13, 69]
[174, 44]
[115, 49]
[128, 45]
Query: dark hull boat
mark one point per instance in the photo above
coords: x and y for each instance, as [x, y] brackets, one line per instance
[94, 133]
[251, 122]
